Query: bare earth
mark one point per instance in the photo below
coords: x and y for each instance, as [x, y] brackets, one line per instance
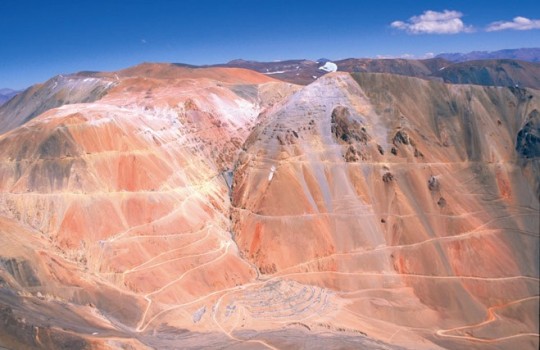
[220, 208]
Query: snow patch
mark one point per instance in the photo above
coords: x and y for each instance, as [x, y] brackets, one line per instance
[272, 171]
[276, 72]
[329, 67]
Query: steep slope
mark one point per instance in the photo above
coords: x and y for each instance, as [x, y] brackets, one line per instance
[414, 68]
[127, 198]
[406, 198]
[55, 92]
[6, 95]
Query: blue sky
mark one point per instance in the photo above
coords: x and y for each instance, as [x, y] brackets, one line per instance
[40, 39]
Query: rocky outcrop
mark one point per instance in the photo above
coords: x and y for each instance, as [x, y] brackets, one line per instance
[21, 271]
[346, 128]
[433, 184]
[528, 137]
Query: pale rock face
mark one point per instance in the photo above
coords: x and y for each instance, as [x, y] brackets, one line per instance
[365, 204]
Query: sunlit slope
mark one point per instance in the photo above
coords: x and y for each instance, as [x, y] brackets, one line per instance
[407, 197]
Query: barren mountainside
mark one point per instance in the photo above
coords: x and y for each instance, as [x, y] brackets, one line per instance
[55, 92]
[166, 206]
[488, 72]
[493, 72]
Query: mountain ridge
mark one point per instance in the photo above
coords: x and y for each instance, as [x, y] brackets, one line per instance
[522, 54]
[304, 72]
[7, 94]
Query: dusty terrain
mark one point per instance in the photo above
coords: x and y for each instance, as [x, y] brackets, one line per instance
[219, 207]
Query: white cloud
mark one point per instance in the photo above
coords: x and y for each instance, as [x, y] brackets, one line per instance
[433, 22]
[143, 41]
[518, 23]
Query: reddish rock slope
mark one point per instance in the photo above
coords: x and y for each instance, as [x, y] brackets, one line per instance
[405, 197]
[370, 211]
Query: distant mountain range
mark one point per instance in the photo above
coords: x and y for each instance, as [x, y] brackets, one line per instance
[497, 72]
[7, 94]
[523, 54]
[508, 67]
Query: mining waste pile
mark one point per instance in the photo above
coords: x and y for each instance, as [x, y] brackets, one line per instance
[173, 207]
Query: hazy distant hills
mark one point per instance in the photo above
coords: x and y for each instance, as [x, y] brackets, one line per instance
[523, 54]
[492, 72]
[508, 67]
[503, 72]
[298, 71]
[7, 94]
